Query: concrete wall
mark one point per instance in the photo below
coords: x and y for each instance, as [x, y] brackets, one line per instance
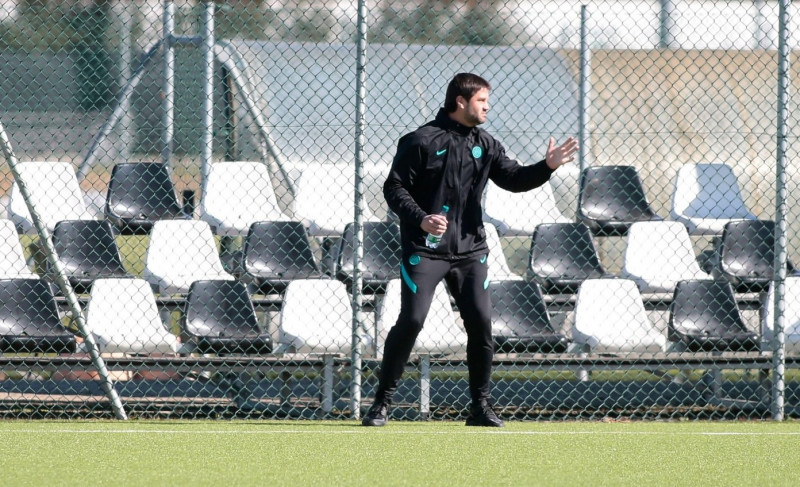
[659, 109]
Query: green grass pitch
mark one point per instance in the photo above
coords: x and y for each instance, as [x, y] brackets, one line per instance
[195, 453]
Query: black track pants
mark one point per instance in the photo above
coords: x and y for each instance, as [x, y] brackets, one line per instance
[468, 283]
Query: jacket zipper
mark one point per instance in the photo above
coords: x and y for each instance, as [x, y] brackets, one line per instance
[462, 153]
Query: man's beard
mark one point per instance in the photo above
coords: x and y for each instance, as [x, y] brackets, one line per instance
[473, 120]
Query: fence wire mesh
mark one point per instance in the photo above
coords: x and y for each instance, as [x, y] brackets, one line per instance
[639, 282]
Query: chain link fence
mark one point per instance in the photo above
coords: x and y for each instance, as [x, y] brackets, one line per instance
[194, 222]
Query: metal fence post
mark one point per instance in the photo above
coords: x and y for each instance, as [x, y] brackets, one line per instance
[585, 94]
[358, 234]
[666, 24]
[125, 20]
[63, 283]
[168, 83]
[779, 277]
[206, 154]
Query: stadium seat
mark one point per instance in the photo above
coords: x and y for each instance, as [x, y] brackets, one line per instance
[498, 266]
[220, 318]
[29, 320]
[520, 321]
[611, 198]
[316, 318]
[12, 257]
[139, 194]
[238, 194]
[791, 316]
[441, 335]
[747, 254]
[54, 192]
[659, 255]
[276, 253]
[123, 317]
[517, 214]
[704, 317]
[706, 197]
[324, 196]
[181, 252]
[381, 257]
[87, 251]
[610, 318]
[562, 256]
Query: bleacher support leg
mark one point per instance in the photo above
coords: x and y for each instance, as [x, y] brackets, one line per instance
[425, 386]
[286, 389]
[712, 378]
[583, 374]
[327, 386]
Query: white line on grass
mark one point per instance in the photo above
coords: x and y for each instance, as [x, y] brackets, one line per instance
[394, 432]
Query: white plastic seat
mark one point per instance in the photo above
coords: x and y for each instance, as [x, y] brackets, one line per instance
[791, 323]
[324, 196]
[441, 334]
[498, 266]
[659, 255]
[517, 214]
[610, 318]
[181, 252]
[316, 318]
[123, 317]
[54, 191]
[238, 194]
[12, 257]
[706, 197]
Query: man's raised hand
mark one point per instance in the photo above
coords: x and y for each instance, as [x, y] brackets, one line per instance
[563, 154]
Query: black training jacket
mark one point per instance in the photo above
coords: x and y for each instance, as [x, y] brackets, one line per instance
[446, 163]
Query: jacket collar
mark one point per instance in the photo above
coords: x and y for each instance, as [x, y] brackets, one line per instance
[444, 121]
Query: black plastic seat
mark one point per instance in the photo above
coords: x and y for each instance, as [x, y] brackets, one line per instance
[87, 250]
[562, 256]
[276, 253]
[381, 259]
[520, 322]
[29, 321]
[611, 198]
[140, 193]
[746, 254]
[704, 317]
[220, 318]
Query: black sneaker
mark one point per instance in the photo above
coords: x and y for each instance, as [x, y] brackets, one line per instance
[482, 414]
[378, 415]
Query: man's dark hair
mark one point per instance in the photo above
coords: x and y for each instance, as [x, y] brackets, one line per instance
[463, 84]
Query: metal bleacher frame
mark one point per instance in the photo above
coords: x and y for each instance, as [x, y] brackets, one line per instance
[582, 363]
[286, 364]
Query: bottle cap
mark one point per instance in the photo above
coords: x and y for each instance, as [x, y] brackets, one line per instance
[445, 208]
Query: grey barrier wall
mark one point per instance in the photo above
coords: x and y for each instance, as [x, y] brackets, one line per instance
[639, 283]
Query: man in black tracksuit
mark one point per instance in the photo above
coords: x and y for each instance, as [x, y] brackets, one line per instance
[448, 162]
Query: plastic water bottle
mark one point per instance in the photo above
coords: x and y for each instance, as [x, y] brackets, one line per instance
[432, 240]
